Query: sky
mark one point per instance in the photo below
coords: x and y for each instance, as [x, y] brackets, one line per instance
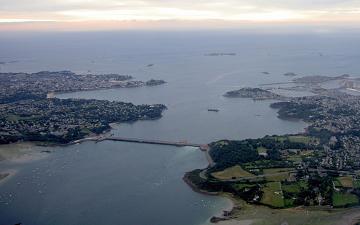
[132, 14]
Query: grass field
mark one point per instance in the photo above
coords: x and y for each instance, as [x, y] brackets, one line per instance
[306, 152]
[344, 199]
[272, 195]
[232, 172]
[294, 187]
[277, 174]
[300, 139]
[242, 186]
[295, 158]
[297, 138]
[346, 182]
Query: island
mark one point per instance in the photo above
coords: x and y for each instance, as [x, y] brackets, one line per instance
[221, 54]
[290, 74]
[154, 82]
[29, 113]
[319, 79]
[253, 93]
[319, 168]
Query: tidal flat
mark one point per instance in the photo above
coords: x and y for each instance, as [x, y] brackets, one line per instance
[247, 214]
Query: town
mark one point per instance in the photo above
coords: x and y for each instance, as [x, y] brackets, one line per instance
[19, 86]
[28, 113]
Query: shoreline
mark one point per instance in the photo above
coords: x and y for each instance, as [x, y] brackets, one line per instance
[90, 137]
[229, 214]
[225, 213]
[238, 212]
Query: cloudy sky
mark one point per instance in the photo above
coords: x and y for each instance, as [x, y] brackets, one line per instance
[100, 13]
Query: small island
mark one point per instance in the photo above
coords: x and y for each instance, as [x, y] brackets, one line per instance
[221, 54]
[154, 82]
[253, 93]
[290, 74]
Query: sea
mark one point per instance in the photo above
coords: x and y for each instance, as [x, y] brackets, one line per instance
[139, 184]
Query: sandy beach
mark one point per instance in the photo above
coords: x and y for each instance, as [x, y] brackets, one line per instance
[21, 152]
[6, 175]
[18, 153]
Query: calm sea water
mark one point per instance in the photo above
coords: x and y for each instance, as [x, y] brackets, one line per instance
[123, 183]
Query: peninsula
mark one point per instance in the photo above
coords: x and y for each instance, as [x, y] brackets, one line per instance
[28, 114]
[22, 86]
[320, 167]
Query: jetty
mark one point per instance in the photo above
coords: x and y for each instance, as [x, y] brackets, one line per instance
[202, 147]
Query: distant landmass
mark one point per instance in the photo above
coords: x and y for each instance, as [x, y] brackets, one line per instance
[319, 79]
[290, 74]
[153, 82]
[253, 93]
[221, 54]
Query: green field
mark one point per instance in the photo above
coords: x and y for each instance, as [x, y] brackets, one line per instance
[272, 195]
[296, 159]
[344, 199]
[296, 138]
[232, 173]
[294, 187]
[277, 174]
[241, 186]
[300, 139]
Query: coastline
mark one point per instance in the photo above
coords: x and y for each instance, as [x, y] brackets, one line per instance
[243, 213]
[223, 217]
[238, 212]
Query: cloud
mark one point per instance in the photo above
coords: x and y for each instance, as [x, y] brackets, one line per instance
[306, 11]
